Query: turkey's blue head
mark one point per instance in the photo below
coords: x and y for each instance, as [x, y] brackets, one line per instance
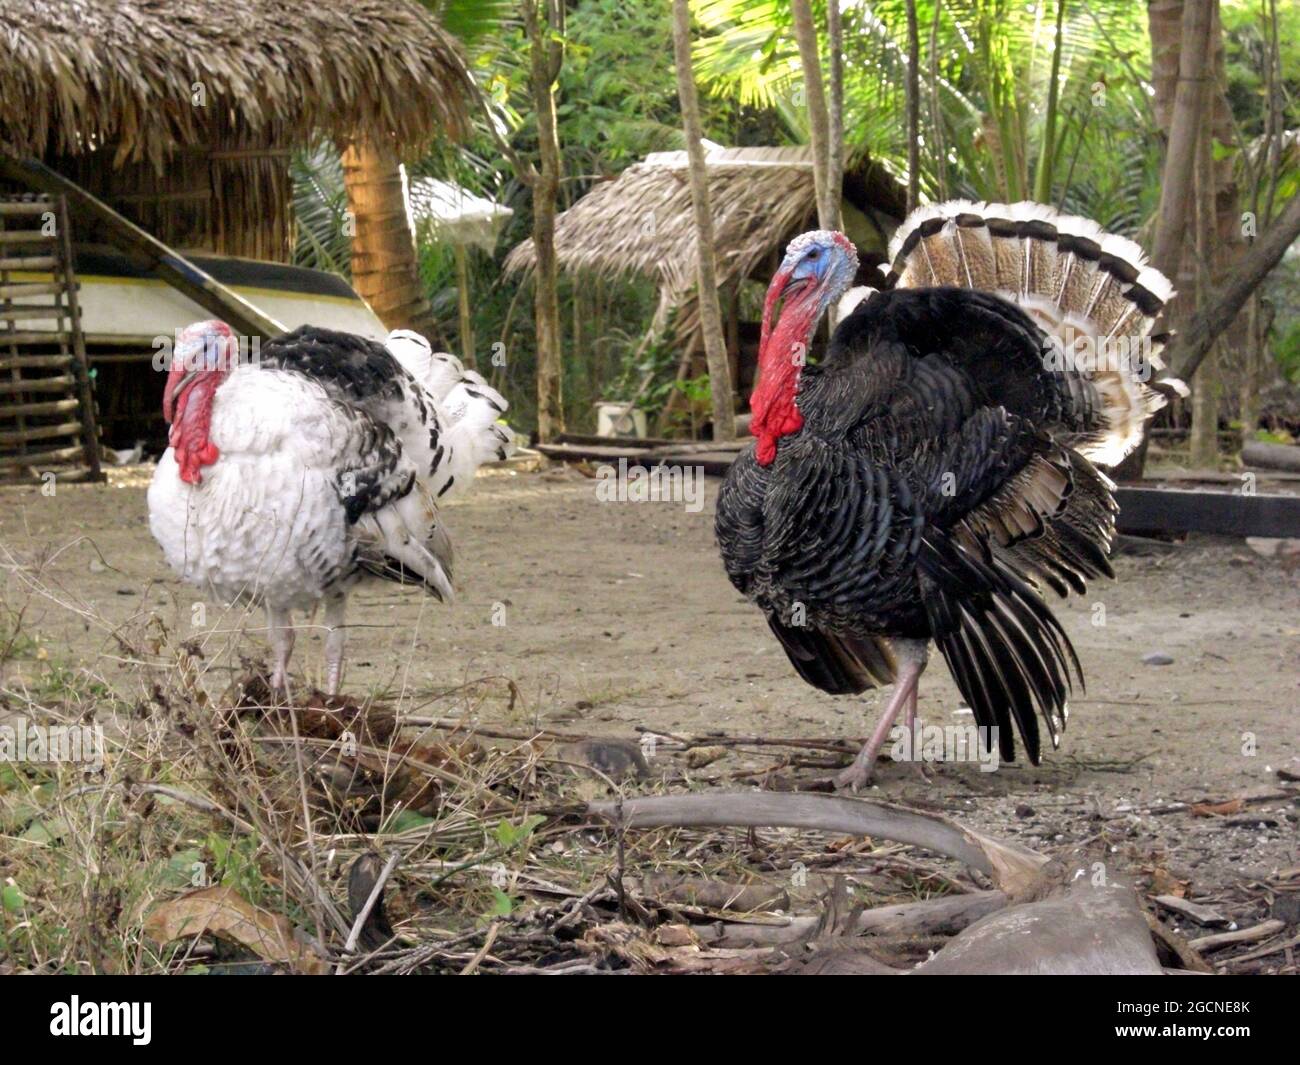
[817, 269]
[205, 352]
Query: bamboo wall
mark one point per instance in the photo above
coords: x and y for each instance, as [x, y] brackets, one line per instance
[231, 199]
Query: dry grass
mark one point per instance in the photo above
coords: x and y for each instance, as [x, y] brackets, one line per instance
[289, 813]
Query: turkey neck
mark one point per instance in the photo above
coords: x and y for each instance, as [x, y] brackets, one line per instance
[191, 424]
[781, 358]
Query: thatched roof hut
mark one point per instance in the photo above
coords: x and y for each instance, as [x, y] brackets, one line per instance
[182, 114]
[640, 224]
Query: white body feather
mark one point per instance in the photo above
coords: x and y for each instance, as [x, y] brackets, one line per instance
[266, 521]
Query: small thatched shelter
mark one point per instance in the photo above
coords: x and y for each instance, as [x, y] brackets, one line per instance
[640, 224]
[182, 114]
[454, 215]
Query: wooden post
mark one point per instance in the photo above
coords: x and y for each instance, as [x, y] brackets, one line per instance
[715, 347]
[85, 391]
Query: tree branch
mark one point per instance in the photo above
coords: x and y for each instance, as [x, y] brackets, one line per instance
[1204, 327]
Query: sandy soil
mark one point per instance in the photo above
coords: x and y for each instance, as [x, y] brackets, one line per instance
[612, 615]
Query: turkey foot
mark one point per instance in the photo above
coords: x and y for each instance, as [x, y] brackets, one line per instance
[859, 774]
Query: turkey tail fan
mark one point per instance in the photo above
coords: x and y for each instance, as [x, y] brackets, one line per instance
[1009, 656]
[837, 665]
[1092, 291]
[471, 409]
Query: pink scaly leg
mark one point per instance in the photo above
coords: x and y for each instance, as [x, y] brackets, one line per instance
[913, 724]
[281, 639]
[912, 657]
[335, 634]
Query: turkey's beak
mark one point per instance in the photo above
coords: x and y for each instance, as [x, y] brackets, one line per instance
[784, 287]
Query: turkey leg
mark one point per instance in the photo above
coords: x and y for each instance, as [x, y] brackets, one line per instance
[335, 635]
[281, 637]
[911, 664]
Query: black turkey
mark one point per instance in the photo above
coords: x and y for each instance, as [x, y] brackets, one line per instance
[935, 470]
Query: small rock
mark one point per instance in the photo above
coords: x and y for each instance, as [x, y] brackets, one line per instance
[1287, 908]
[616, 759]
[1157, 658]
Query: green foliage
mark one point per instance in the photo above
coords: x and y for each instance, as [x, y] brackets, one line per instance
[320, 206]
[510, 836]
[986, 105]
[991, 128]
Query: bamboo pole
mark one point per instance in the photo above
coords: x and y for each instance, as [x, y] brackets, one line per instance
[462, 306]
[81, 368]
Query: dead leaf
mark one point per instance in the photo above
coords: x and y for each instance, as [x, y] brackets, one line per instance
[1163, 882]
[222, 911]
[699, 757]
[676, 935]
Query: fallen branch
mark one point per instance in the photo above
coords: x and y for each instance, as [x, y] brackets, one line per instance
[1016, 871]
[1242, 935]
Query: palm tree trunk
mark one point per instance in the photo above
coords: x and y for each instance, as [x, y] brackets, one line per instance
[385, 269]
[1204, 439]
[835, 132]
[715, 346]
[805, 31]
[1190, 98]
[546, 54]
[1180, 32]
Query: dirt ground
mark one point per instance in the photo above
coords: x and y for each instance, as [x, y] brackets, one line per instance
[609, 616]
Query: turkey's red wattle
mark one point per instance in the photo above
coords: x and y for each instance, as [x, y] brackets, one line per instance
[190, 426]
[781, 354]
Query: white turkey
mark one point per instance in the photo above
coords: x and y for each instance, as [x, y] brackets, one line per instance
[292, 477]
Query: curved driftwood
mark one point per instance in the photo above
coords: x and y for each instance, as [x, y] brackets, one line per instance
[1014, 870]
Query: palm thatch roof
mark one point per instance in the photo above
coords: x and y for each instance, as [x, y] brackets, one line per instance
[148, 77]
[640, 224]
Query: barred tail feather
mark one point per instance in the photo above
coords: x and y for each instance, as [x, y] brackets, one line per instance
[471, 411]
[1009, 656]
[1094, 292]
